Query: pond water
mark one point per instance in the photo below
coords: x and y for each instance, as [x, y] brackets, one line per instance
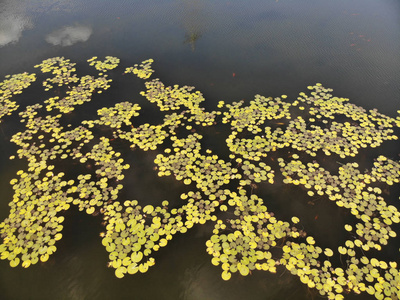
[228, 50]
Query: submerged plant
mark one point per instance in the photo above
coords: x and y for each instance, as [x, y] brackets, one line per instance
[272, 141]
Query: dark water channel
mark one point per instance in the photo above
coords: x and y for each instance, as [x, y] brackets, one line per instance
[229, 50]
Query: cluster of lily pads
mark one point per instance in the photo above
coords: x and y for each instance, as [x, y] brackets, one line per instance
[13, 85]
[142, 70]
[271, 141]
[109, 63]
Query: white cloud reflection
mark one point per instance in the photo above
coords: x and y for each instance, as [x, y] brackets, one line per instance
[69, 35]
[11, 27]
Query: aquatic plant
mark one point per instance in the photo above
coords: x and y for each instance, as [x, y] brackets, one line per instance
[272, 141]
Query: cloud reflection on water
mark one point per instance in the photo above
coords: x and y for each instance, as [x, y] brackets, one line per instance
[11, 27]
[69, 35]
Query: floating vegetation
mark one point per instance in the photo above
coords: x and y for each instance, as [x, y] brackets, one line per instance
[13, 85]
[142, 70]
[103, 66]
[271, 141]
[62, 69]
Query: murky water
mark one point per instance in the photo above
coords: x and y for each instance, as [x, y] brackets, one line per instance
[229, 50]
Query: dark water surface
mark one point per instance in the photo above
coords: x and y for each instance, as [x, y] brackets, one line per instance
[229, 50]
